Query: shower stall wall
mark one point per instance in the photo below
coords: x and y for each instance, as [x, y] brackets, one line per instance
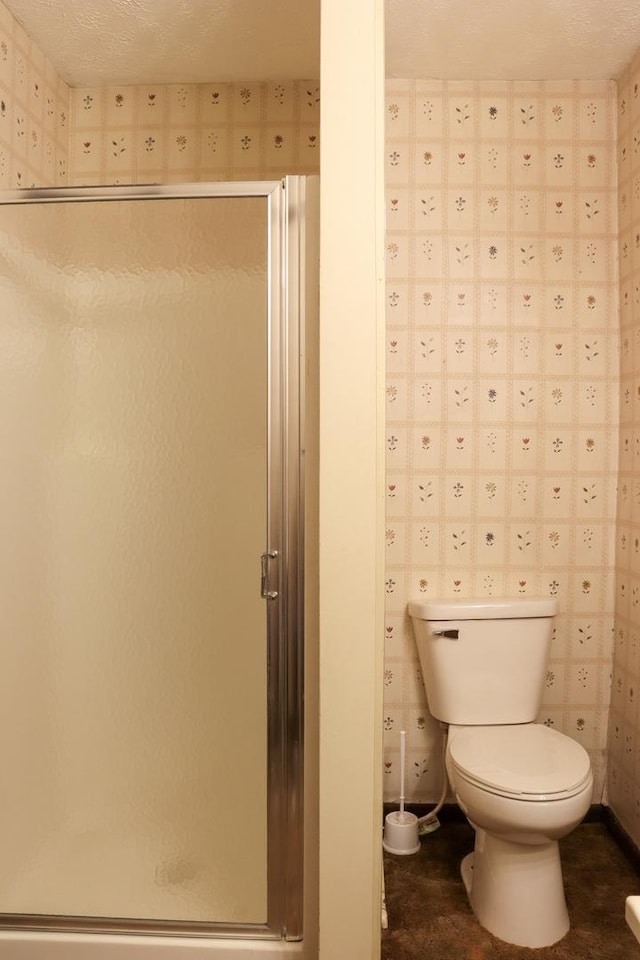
[152, 517]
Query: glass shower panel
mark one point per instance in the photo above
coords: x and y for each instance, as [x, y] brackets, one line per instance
[133, 512]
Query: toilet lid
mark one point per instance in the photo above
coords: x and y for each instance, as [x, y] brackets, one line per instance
[529, 761]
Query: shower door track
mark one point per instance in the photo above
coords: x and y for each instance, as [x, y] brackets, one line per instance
[285, 201]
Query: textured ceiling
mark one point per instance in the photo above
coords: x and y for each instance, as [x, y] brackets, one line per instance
[94, 42]
[511, 39]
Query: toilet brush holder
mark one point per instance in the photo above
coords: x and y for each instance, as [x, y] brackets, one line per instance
[401, 833]
[401, 828]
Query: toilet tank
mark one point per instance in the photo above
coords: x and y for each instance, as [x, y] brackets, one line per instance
[483, 661]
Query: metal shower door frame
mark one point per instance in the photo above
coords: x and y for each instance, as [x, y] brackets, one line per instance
[284, 570]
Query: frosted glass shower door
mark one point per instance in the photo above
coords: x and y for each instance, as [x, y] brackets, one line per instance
[133, 513]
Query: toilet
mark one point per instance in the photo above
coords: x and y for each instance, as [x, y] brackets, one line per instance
[521, 785]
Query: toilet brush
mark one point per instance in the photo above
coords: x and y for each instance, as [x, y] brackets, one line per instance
[400, 827]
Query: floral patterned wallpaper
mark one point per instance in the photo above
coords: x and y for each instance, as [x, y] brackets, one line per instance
[34, 110]
[502, 382]
[624, 720]
[194, 132]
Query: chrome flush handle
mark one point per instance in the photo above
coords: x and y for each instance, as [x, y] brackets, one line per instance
[450, 634]
[265, 593]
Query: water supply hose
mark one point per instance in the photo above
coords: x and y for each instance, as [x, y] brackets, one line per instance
[430, 822]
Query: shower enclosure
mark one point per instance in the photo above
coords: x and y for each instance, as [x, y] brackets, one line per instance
[151, 509]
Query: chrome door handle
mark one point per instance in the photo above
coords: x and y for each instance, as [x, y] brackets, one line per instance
[265, 593]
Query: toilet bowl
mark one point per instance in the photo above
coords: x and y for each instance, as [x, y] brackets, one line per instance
[526, 783]
[522, 788]
[522, 785]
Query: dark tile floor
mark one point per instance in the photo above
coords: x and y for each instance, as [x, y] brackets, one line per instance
[430, 918]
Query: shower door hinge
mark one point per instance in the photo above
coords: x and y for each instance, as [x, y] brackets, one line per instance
[265, 593]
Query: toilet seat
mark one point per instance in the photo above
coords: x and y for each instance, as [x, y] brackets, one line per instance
[521, 761]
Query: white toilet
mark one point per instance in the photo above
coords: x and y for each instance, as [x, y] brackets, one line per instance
[521, 785]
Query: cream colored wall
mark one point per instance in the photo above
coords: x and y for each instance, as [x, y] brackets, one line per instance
[351, 478]
[624, 721]
[502, 385]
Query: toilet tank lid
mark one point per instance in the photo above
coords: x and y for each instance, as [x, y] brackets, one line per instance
[520, 608]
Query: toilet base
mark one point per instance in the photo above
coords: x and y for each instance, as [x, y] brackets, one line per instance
[516, 890]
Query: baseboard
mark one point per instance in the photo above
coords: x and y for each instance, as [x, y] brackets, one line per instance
[622, 838]
[597, 813]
